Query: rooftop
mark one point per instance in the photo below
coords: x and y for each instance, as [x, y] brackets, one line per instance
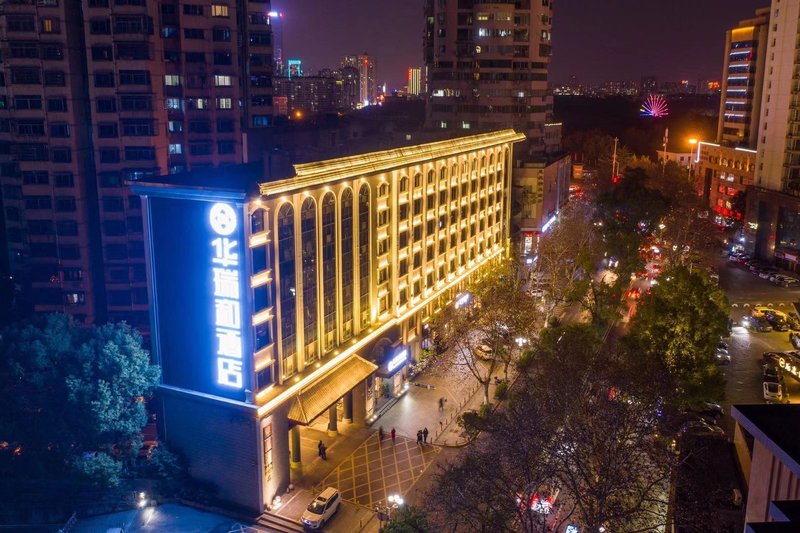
[770, 425]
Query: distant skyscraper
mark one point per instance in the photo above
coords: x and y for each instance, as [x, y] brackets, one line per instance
[649, 85]
[276, 21]
[743, 80]
[368, 87]
[487, 69]
[414, 81]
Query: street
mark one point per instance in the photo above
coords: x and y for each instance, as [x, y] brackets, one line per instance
[744, 374]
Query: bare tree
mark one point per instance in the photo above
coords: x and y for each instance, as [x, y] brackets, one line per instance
[568, 255]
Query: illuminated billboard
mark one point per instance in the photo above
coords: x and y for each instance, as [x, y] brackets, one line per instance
[197, 260]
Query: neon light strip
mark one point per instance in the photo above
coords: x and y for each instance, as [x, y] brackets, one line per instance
[748, 150]
[701, 143]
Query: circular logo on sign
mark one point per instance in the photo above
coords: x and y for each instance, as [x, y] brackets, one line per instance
[223, 219]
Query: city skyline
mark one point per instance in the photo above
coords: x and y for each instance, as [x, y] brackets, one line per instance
[582, 46]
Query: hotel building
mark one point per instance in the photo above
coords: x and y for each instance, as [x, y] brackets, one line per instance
[300, 296]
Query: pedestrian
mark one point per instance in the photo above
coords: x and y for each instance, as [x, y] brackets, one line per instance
[425, 435]
[320, 447]
[394, 434]
[419, 437]
[380, 433]
[441, 403]
[324, 453]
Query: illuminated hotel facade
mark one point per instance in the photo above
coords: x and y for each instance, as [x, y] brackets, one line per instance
[282, 299]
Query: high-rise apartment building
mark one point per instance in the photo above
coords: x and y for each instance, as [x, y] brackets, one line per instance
[105, 91]
[328, 92]
[368, 86]
[742, 81]
[414, 81]
[487, 68]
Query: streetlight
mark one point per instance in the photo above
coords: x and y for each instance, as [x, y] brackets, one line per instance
[393, 502]
[692, 142]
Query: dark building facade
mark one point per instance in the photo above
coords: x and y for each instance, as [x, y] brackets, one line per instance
[103, 91]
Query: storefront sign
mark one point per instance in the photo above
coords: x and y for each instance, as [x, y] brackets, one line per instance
[397, 360]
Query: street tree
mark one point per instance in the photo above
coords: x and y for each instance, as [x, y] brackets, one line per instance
[674, 334]
[72, 394]
[567, 257]
[409, 519]
[482, 331]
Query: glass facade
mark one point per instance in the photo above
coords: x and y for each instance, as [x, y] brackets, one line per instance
[347, 263]
[288, 290]
[308, 222]
[329, 271]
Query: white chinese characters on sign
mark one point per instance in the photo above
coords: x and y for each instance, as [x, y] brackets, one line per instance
[227, 298]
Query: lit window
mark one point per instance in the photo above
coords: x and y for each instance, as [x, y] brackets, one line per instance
[224, 103]
[175, 126]
[198, 103]
[222, 81]
[174, 103]
[175, 149]
[219, 10]
[465, 125]
[172, 80]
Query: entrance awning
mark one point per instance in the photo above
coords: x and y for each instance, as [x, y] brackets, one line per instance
[312, 400]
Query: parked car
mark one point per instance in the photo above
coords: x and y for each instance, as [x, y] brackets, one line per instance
[707, 409]
[756, 324]
[773, 392]
[777, 322]
[701, 428]
[772, 374]
[765, 273]
[722, 346]
[760, 310]
[722, 358]
[319, 511]
[483, 352]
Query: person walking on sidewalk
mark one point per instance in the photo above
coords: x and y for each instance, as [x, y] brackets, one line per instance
[380, 433]
[441, 403]
[419, 437]
[425, 435]
[320, 447]
[394, 434]
[324, 452]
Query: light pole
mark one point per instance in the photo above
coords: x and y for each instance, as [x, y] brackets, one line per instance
[692, 142]
[386, 510]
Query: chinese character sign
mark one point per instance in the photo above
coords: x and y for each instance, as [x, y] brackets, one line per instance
[225, 259]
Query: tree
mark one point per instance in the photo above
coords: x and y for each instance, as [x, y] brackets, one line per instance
[568, 255]
[674, 335]
[562, 433]
[499, 311]
[73, 395]
[409, 519]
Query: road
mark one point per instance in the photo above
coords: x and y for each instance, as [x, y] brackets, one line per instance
[744, 374]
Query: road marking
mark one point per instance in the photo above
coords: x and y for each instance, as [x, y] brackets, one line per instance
[745, 305]
[734, 305]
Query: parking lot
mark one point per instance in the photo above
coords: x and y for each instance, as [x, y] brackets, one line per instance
[744, 375]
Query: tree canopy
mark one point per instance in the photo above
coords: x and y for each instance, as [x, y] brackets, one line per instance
[72, 394]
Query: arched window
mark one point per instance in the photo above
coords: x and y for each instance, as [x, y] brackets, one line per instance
[329, 271]
[431, 177]
[403, 184]
[383, 190]
[308, 223]
[363, 255]
[346, 218]
[417, 180]
[286, 272]
[443, 173]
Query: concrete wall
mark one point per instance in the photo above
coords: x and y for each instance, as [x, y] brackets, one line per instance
[220, 440]
[770, 480]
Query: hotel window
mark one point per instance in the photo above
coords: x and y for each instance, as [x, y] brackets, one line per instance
[329, 270]
[430, 177]
[403, 184]
[363, 255]
[224, 103]
[308, 223]
[346, 218]
[417, 180]
[286, 271]
[172, 80]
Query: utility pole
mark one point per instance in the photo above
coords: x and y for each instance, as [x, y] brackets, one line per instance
[664, 157]
[615, 164]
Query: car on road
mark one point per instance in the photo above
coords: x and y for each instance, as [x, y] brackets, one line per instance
[756, 324]
[793, 321]
[319, 511]
[722, 358]
[772, 374]
[773, 392]
[759, 311]
[701, 428]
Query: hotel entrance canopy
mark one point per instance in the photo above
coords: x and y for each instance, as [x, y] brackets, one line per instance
[312, 400]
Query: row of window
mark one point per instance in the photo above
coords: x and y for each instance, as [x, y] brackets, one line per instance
[204, 148]
[34, 101]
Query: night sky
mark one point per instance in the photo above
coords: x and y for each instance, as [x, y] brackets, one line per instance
[596, 40]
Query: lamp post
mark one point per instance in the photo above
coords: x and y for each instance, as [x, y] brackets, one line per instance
[692, 142]
[386, 510]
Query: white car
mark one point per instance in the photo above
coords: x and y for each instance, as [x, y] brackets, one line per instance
[321, 509]
[773, 392]
[483, 352]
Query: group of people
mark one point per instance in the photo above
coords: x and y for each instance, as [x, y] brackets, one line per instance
[422, 435]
